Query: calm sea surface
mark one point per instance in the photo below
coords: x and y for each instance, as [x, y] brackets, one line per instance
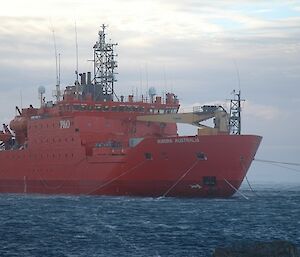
[38, 225]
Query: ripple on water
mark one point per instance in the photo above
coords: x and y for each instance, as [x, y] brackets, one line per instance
[39, 225]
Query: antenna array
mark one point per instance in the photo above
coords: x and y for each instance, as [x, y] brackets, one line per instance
[235, 121]
[104, 65]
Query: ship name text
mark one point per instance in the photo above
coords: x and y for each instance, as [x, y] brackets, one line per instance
[178, 140]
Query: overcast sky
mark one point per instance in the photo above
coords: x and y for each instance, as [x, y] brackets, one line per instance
[192, 47]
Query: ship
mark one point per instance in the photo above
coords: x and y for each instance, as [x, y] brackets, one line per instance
[89, 141]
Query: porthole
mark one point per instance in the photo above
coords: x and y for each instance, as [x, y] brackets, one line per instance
[148, 156]
[201, 156]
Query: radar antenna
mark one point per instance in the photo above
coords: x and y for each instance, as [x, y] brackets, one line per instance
[152, 93]
[76, 46]
[57, 69]
[77, 85]
[104, 65]
[41, 92]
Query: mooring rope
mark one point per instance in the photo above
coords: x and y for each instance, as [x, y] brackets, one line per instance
[244, 167]
[46, 184]
[278, 164]
[117, 177]
[181, 178]
[232, 186]
[44, 181]
[250, 186]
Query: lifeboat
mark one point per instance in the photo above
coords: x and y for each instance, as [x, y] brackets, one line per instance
[5, 137]
[18, 124]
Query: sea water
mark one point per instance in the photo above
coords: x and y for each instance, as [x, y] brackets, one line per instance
[43, 225]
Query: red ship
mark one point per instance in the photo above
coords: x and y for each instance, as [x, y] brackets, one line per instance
[89, 141]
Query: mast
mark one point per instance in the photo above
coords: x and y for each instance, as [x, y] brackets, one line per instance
[56, 93]
[104, 65]
[235, 121]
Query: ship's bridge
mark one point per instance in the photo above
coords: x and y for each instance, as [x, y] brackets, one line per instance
[168, 105]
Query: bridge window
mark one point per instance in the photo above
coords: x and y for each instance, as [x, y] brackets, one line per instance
[76, 107]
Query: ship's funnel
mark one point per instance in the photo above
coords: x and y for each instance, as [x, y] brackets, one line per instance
[82, 79]
[89, 78]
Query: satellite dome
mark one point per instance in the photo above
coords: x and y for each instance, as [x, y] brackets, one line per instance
[41, 90]
[152, 91]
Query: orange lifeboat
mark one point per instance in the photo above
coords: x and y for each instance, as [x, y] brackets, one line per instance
[19, 126]
[4, 137]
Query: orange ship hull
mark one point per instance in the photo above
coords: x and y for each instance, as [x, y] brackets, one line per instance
[200, 166]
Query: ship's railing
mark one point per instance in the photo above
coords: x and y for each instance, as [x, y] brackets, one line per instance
[205, 108]
[168, 98]
[122, 108]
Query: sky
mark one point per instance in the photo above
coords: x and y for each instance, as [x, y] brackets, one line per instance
[200, 50]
